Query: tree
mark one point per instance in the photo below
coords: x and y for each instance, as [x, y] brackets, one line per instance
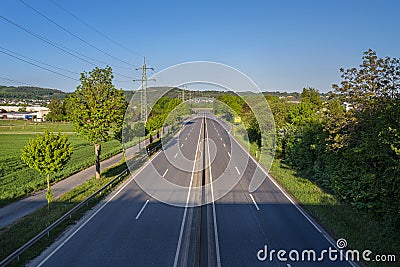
[139, 130]
[367, 137]
[97, 109]
[48, 153]
[57, 110]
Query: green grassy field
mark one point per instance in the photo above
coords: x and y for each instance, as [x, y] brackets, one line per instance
[18, 180]
[22, 126]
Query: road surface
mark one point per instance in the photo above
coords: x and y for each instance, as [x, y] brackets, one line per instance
[133, 228]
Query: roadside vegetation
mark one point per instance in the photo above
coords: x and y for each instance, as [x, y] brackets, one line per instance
[97, 109]
[339, 155]
[47, 153]
[20, 232]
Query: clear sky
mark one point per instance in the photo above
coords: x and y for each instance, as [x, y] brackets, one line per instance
[281, 45]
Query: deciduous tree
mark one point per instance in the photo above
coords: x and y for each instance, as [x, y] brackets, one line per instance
[97, 109]
[48, 153]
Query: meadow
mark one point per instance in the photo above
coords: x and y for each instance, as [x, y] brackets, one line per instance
[18, 180]
[22, 126]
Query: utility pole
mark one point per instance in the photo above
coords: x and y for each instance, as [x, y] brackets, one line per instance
[183, 93]
[143, 96]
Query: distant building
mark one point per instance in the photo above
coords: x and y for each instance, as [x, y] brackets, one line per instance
[30, 113]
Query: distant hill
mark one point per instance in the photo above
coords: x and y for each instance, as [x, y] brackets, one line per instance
[26, 92]
[37, 93]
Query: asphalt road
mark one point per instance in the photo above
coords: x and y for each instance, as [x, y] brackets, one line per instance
[132, 228]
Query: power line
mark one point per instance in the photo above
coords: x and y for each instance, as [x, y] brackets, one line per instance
[76, 36]
[36, 65]
[40, 62]
[143, 98]
[97, 31]
[60, 47]
[94, 29]
[10, 80]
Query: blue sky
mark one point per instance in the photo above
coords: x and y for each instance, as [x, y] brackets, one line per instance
[281, 45]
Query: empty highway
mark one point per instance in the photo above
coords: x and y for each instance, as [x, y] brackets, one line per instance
[134, 226]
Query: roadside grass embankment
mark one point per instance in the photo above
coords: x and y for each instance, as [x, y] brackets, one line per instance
[15, 235]
[340, 220]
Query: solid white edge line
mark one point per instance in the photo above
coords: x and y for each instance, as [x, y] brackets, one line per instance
[97, 211]
[178, 248]
[327, 237]
[165, 173]
[254, 201]
[101, 207]
[237, 170]
[213, 204]
[141, 210]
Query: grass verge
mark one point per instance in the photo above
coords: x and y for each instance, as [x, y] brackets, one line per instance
[17, 234]
[338, 219]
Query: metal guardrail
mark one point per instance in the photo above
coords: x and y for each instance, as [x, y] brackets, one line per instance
[19, 251]
[46, 231]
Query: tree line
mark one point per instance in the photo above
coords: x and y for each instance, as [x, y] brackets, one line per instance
[97, 111]
[348, 142]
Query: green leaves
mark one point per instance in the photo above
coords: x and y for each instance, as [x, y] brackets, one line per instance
[47, 153]
[97, 108]
[160, 111]
[57, 110]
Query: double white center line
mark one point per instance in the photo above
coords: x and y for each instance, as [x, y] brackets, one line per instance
[178, 248]
[213, 204]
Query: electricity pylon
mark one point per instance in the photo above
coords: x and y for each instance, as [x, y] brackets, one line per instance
[143, 95]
